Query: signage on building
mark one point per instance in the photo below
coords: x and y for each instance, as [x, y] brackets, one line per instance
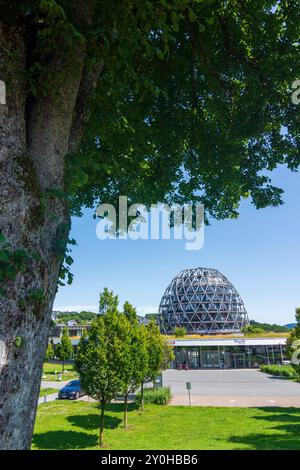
[239, 341]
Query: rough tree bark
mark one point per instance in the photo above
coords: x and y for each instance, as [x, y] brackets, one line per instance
[35, 136]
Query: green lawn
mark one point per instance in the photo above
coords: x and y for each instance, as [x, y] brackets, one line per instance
[52, 371]
[47, 391]
[74, 425]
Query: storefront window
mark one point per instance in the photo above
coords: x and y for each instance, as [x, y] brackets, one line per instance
[228, 357]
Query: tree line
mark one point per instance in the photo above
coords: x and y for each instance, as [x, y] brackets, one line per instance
[79, 317]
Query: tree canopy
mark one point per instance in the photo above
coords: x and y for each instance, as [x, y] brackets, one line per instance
[108, 302]
[101, 358]
[193, 102]
[137, 356]
[112, 357]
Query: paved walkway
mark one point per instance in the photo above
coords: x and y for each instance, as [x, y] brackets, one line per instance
[48, 398]
[50, 384]
[241, 388]
[245, 388]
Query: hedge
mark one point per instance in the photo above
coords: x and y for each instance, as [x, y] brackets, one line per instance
[282, 371]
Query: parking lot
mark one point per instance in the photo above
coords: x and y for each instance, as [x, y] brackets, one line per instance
[246, 387]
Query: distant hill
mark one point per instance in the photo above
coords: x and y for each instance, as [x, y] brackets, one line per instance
[270, 327]
[290, 325]
[78, 317]
[83, 318]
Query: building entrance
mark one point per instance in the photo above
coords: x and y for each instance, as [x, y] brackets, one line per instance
[239, 360]
[210, 359]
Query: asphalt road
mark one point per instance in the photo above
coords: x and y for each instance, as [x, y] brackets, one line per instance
[244, 387]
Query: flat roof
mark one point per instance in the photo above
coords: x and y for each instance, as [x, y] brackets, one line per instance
[213, 342]
[228, 342]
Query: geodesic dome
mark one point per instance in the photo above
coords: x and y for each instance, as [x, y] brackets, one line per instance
[203, 301]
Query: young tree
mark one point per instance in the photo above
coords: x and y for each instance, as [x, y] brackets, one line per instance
[65, 349]
[179, 331]
[136, 357]
[155, 348]
[293, 344]
[101, 359]
[168, 355]
[108, 301]
[95, 108]
[50, 351]
[130, 312]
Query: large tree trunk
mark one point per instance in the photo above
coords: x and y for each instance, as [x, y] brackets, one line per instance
[35, 137]
[26, 305]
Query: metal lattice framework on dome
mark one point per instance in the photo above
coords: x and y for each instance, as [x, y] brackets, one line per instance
[203, 301]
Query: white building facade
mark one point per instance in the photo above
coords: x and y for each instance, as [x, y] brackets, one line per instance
[228, 353]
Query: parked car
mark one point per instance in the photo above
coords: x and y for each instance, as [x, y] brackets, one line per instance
[71, 391]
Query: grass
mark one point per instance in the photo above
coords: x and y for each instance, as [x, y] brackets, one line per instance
[47, 391]
[74, 425]
[52, 371]
[266, 334]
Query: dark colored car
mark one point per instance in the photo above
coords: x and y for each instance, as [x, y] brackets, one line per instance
[72, 391]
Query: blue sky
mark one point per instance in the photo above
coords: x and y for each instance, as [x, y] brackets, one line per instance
[259, 253]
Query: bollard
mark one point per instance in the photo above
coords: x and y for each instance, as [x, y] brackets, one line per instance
[189, 387]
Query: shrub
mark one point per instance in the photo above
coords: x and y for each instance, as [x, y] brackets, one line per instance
[179, 331]
[157, 396]
[282, 371]
[250, 330]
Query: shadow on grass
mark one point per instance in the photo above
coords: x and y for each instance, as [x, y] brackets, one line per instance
[64, 440]
[92, 421]
[119, 407]
[276, 414]
[283, 436]
[78, 439]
